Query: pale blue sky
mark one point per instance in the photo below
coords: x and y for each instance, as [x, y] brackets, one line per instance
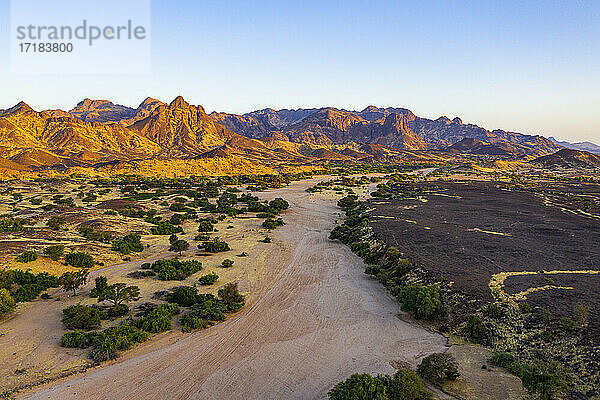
[526, 66]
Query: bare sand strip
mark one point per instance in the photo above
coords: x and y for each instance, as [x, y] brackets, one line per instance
[318, 319]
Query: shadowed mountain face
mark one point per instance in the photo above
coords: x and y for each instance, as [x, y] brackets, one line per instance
[582, 146]
[568, 158]
[395, 127]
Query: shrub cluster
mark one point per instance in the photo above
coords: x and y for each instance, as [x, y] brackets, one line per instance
[79, 316]
[165, 228]
[272, 223]
[205, 308]
[173, 269]
[129, 244]
[79, 259]
[26, 286]
[214, 246]
[27, 256]
[208, 279]
[403, 385]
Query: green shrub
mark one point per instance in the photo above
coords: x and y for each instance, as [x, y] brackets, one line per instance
[31, 285]
[568, 324]
[166, 228]
[56, 222]
[173, 269]
[548, 380]
[423, 301]
[159, 319]
[74, 339]
[55, 251]
[267, 239]
[359, 387]
[184, 296]
[206, 226]
[272, 224]
[501, 359]
[208, 279]
[130, 243]
[119, 310]
[404, 385]
[101, 285]
[231, 296]
[279, 204]
[79, 259]
[179, 246]
[227, 263]
[108, 343]
[214, 246]
[525, 308]
[475, 330]
[191, 322]
[27, 256]
[7, 303]
[438, 367]
[79, 316]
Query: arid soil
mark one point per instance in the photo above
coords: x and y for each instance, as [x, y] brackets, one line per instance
[315, 320]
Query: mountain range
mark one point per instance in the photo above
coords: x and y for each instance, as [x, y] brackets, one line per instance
[99, 131]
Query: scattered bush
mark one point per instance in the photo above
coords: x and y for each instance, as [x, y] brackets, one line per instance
[119, 293]
[74, 339]
[166, 228]
[214, 246]
[159, 319]
[119, 310]
[581, 313]
[474, 329]
[7, 303]
[101, 285]
[504, 360]
[179, 246]
[359, 387]
[79, 259]
[525, 308]
[568, 324]
[79, 316]
[173, 269]
[27, 256]
[208, 279]
[206, 226]
[71, 281]
[272, 223]
[231, 296]
[438, 367]
[267, 239]
[55, 222]
[30, 285]
[108, 343]
[191, 322]
[423, 301]
[546, 379]
[55, 252]
[129, 244]
[227, 263]
[184, 296]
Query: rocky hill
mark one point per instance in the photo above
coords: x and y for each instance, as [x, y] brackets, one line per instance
[395, 127]
[97, 132]
[568, 158]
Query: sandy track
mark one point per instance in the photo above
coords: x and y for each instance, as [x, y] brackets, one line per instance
[318, 320]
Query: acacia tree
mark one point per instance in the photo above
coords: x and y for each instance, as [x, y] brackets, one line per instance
[119, 293]
[179, 246]
[73, 280]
